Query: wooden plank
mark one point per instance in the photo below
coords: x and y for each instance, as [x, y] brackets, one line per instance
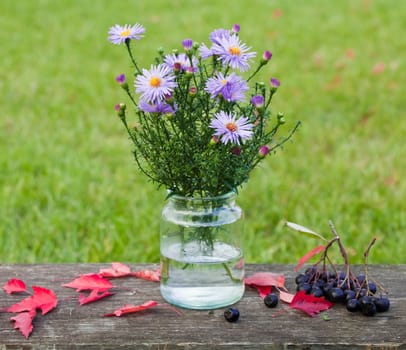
[82, 327]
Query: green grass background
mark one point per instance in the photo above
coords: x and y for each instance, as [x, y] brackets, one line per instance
[70, 190]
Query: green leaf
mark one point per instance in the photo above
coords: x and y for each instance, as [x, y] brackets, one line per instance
[304, 230]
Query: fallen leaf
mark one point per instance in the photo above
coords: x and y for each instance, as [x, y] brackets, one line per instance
[42, 298]
[93, 296]
[266, 279]
[309, 255]
[89, 282]
[23, 322]
[130, 309]
[149, 275]
[286, 297]
[15, 285]
[309, 304]
[117, 270]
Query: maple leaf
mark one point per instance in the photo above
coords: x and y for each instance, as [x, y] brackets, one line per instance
[149, 275]
[266, 279]
[309, 304]
[14, 285]
[117, 270]
[43, 299]
[94, 295]
[130, 309]
[309, 255]
[89, 282]
[23, 322]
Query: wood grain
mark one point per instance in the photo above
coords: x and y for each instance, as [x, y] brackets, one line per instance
[71, 326]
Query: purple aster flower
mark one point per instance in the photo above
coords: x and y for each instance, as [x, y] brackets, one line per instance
[155, 84]
[231, 88]
[204, 51]
[230, 129]
[233, 53]
[119, 34]
[187, 44]
[258, 101]
[218, 34]
[181, 61]
[275, 82]
[158, 107]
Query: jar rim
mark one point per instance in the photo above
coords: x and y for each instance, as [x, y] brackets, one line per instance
[221, 197]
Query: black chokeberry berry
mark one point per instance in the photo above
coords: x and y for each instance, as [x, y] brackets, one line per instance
[382, 304]
[353, 305]
[317, 292]
[336, 295]
[368, 308]
[271, 300]
[231, 314]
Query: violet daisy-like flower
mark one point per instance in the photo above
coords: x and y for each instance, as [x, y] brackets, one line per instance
[230, 129]
[159, 107]
[156, 83]
[119, 34]
[231, 88]
[232, 52]
[218, 34]
[181, 61]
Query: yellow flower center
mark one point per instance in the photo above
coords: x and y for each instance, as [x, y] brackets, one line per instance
[224, 81]
[231, 126]
[236, 51]
[155, 82]
[125, 33]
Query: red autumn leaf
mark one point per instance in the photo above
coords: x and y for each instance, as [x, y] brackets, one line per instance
[117, 270]
[93, 296]
[89, 282]
[23, 322]
[266, 279]
[263, 291]
[15, 286]
[286, 297]
[309, 255]
[43, 299]
[149, 275]
[130, 309]
[309, 303]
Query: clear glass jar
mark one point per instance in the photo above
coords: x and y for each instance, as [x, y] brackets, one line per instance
[202, 264]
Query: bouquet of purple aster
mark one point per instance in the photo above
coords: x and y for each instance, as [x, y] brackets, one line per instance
[200, 127]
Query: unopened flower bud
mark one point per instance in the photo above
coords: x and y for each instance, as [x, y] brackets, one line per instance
[161, 51]
[214, 141]
[263, 151]
[236, 151]
[281, 118]
[121, 80]
[258, 101]
[236, 28]
[275, 83]
[266, 57]
[193, 91]
[120, 109]
[187, 44]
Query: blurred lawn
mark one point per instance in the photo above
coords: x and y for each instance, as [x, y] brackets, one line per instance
[70, 191]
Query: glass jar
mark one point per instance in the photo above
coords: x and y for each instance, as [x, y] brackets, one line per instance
[202, 264]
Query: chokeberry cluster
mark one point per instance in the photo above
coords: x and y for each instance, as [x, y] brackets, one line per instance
[358, 292]
[355, 291]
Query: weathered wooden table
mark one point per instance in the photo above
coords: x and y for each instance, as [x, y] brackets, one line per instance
[71, 326]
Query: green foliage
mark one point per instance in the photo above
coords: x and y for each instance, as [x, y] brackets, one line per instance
[178, 149]
[68, 189]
